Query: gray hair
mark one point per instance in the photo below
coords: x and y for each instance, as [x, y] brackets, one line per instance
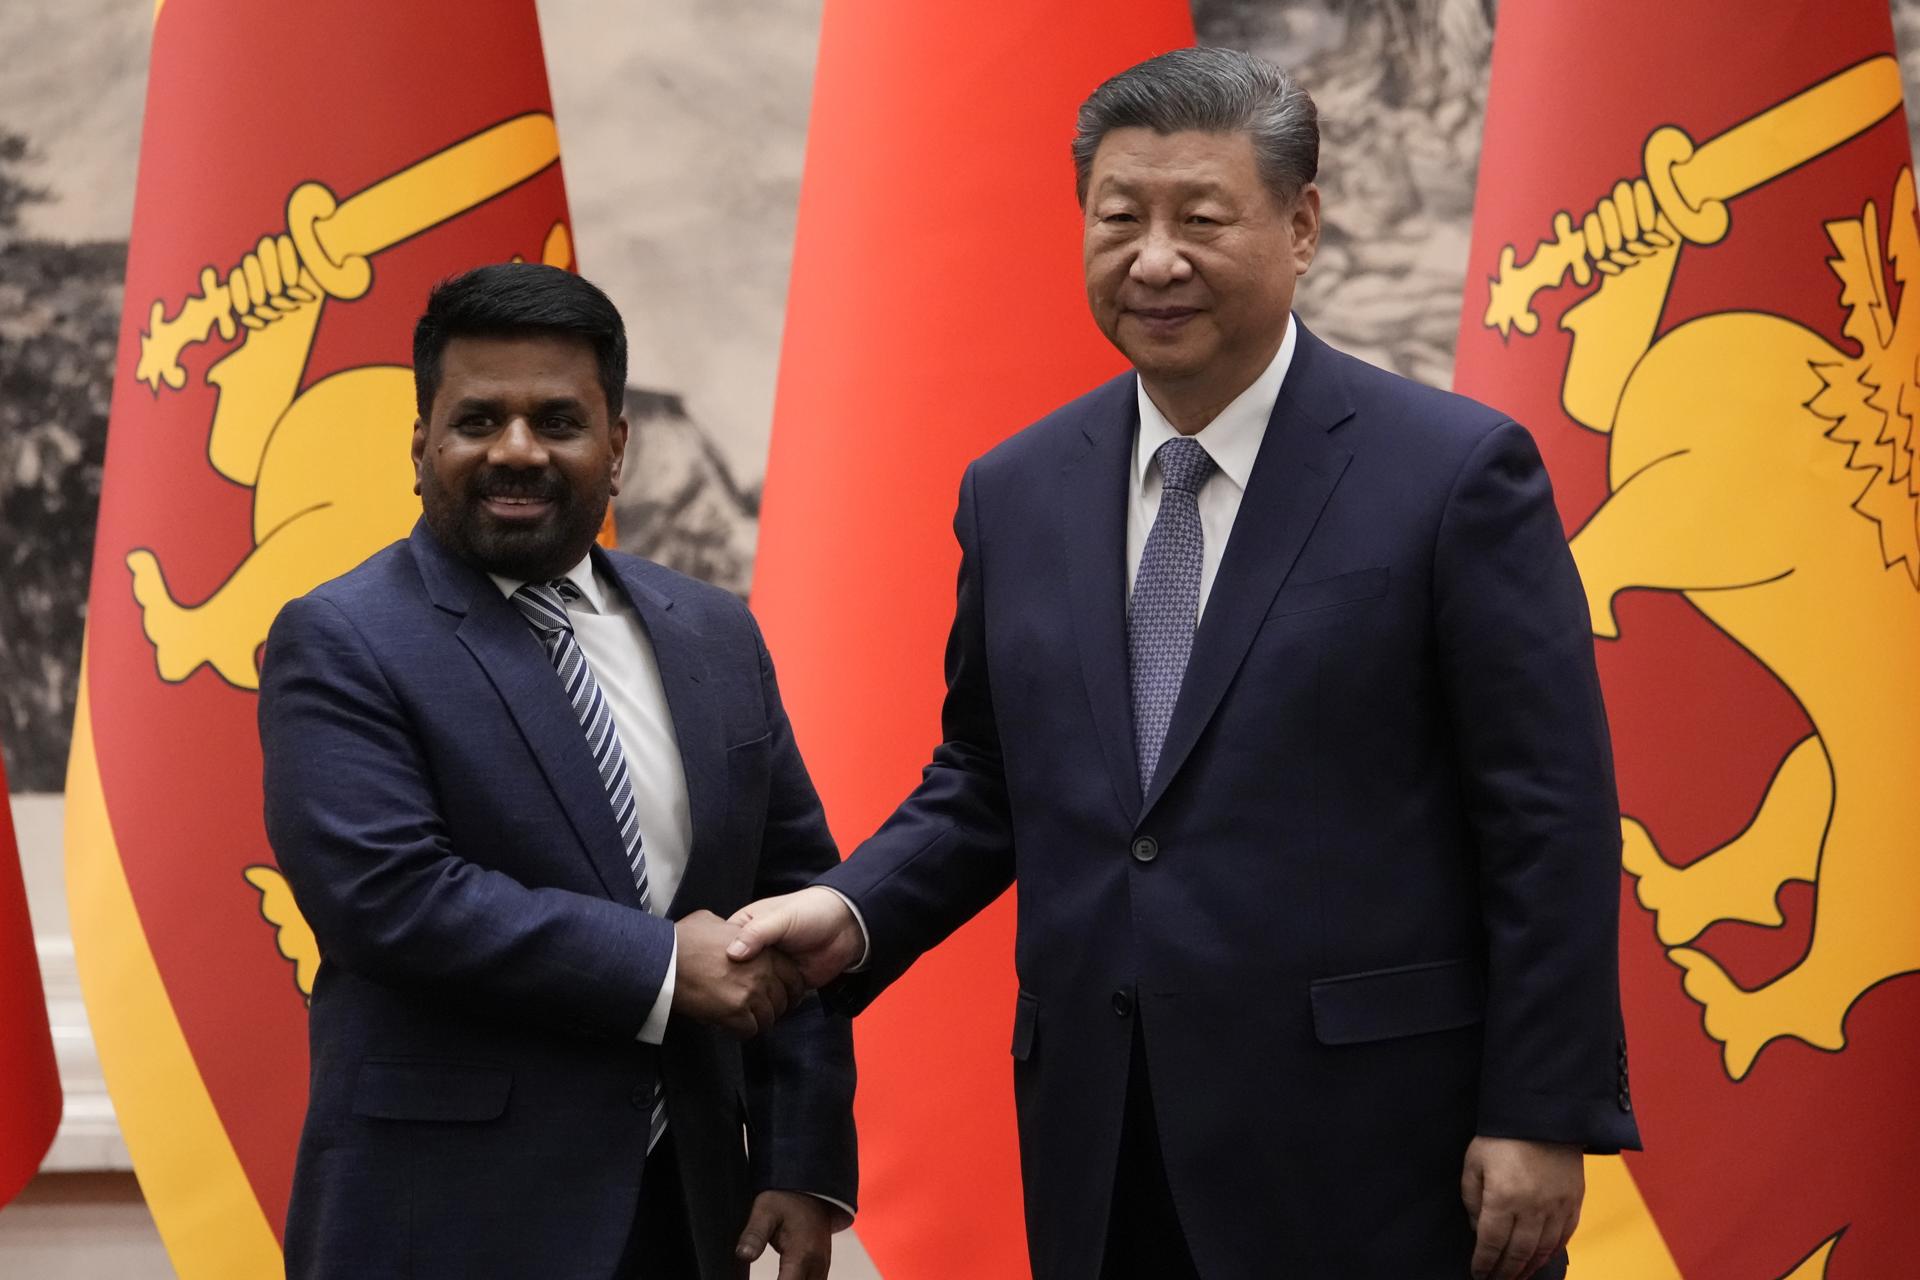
[1208, 91]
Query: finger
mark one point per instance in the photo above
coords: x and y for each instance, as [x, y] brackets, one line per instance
[775, 993]
[289, 260]
[1520, 1246]
[1629, 212]
[761, 1224]
[761, 1006]
[803, 1264]
[1610, 224]
[788, 974]
[1573, 1225]
[256, 277]
[1552, 1240]
[269, 259]
[1490, 1241]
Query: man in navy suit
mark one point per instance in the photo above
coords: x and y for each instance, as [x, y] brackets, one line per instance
[516, 782]
[1270, 681]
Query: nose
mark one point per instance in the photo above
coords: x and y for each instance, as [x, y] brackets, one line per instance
[1160, 260]
[517, 445]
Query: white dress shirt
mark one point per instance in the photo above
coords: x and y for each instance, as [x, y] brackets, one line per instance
[1232, 440]
[621, 657]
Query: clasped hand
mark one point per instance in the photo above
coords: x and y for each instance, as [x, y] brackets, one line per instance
[743, 996]
[814, 928]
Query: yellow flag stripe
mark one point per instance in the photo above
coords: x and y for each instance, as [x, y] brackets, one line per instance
[1617, 1235]
[209, 1219]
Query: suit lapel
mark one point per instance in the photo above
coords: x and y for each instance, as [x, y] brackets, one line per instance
[1094, 527]
[698, 726]
[1293, 476]
[500, 640]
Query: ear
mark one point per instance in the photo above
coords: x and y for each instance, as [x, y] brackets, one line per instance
[617, 440]
[419, 450]
[1305, 220]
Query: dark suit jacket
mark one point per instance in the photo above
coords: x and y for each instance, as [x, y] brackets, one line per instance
[478, 1102]
[1367, 907]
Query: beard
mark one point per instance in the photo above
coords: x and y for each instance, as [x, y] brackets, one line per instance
[530, 551]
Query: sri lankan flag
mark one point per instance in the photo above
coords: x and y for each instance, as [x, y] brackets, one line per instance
[303, 180]
[936, 306]
[1695, 229]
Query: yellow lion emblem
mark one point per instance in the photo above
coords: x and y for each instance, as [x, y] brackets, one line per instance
[1768, 476]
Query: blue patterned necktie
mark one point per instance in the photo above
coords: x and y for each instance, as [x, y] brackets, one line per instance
[1166, 598]
[544, 605]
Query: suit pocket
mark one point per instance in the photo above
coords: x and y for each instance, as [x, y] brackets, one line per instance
[416, 1089]
[1026, 1019]
[1326, 593]
[1385, 1004]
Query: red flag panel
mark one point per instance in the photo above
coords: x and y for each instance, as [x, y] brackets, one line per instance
[29, 1080]
[1724, 405]
[936, 306]
[319, 175]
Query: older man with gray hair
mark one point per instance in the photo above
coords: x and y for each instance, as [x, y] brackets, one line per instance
[1270, 681]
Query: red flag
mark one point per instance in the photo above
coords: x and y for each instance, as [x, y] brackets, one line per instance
[936, 306]
[29, 1080]
[300, 189]
[1694, 229]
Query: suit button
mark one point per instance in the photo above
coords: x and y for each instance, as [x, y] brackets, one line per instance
[1145, 849]
[1123, 1002]
[1626, 1100]
[641, 1098]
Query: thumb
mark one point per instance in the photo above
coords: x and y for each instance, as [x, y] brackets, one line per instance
[760, 928]
[1473, 1185]
[761, 1224]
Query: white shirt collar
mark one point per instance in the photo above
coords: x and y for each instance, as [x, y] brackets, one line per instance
[1233, 438]
[581, 575]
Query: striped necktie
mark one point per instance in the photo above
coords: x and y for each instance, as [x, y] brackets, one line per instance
[544, 605]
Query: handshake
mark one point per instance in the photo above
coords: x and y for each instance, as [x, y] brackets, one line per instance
[743, 973]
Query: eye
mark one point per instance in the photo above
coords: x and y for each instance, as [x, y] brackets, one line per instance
[1201, 220]
[559, 424]
[473, 424]
[1119, 217]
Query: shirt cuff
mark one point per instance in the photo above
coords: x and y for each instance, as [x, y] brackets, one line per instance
[866, 952]
[843, 1212]
[654, 1029]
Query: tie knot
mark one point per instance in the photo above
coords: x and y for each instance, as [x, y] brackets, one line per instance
[544, 604]
[1184, 464]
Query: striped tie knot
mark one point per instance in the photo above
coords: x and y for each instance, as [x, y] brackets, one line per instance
[1184, 465]
[544, 604]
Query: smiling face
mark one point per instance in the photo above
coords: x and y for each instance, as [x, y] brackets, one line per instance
[1191, 261]
[518, 456]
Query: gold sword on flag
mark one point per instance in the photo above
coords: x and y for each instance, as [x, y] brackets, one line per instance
[1690, 184]
[329, 242]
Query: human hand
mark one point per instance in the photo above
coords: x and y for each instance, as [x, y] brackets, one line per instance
[1524, 1200]
[744, 997]
[815, 927]
[800, 1228]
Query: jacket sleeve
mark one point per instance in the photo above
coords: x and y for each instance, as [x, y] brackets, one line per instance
[1516, 659]
[355, 822]
[947, 851]
[800, 1074]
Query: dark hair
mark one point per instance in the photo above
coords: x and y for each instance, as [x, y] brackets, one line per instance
[1208, 91]
[509, 299]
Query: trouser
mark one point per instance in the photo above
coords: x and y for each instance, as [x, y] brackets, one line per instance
[661, 1245]
[1144, 1240]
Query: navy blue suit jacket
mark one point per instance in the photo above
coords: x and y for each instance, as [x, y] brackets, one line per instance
[478, 1102]
[1366, 908]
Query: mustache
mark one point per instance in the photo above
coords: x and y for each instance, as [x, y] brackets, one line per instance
[502, 482]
